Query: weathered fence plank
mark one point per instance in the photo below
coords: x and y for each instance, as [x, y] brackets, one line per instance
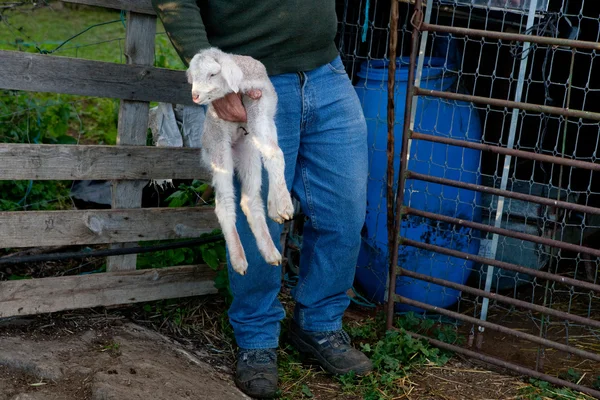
[139, 6]
[45, 73]
[56, 228]
[69, 162]
[36, 296]
[133, 124]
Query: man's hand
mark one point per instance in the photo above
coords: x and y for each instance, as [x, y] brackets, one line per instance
[230, 107]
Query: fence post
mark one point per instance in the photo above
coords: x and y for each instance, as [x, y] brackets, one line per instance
[133, 124]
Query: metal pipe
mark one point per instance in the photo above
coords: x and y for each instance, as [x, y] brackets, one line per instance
[513, 195]
[501, 264]
[391, 120]
[108, 252]
[569, 162]
[504, 232]
[505, 364]
[500, 328]
[503, 299]
[416, 21]
[538, 108]
[519, 37]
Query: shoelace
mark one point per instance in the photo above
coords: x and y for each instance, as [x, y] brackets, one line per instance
[259, 356]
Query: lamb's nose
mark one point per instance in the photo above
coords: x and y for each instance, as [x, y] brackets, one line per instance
[195, 96]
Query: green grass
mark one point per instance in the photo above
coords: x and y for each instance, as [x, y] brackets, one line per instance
[23, 29]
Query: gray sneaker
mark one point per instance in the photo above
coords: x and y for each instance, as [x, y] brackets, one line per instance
[256, 373]
[333, 350]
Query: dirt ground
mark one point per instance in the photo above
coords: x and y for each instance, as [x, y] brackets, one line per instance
[90, 355]
[119, 360]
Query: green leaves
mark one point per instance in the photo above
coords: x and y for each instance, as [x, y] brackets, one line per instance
[50, 119]
[210, 257]
[538, 390]
[213, 254]
[306, 391]
[187, 195]
[394, 353]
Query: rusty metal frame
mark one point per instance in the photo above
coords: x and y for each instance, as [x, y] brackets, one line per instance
[397, 211]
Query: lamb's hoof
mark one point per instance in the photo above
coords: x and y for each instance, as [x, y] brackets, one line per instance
[273, 257]
[239, 265]
[282, 209]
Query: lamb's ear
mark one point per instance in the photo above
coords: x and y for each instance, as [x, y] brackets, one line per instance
[230, 71]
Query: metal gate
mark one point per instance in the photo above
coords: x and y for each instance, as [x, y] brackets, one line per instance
[542, 160]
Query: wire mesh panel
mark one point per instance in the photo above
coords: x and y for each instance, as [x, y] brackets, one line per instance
[498, 204]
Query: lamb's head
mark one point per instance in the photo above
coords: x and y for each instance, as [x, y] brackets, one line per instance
[213, 74]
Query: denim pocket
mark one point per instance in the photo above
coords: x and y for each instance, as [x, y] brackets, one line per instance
[337, 66]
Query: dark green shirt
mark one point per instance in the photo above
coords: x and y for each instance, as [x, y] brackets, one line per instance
[285, 35]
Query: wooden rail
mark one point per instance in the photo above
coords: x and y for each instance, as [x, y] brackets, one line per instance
[46, 73]
[77, 227]
[86, 162]
[35, 296]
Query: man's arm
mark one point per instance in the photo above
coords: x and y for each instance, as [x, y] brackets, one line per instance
[184, 26]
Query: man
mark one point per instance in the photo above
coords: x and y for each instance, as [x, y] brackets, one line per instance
[322, 132]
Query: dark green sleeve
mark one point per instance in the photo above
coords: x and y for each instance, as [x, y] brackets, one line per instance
[184, 26]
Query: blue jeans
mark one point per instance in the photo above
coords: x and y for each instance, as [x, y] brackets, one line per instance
[323, 135]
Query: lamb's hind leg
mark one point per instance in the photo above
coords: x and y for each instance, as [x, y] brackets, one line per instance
[249, 169]
[221, 163]
[279, 202]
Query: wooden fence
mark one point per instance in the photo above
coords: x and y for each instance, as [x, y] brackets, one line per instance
[130, 165]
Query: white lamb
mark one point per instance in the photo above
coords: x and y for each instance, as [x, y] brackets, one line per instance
[229, 146]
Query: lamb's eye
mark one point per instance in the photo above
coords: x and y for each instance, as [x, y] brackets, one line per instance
[212, 75]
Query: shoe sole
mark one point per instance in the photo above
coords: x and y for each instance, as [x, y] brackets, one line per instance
[240, 386]
[306, 348]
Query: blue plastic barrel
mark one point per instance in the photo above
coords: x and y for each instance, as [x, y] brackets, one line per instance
[434, 116]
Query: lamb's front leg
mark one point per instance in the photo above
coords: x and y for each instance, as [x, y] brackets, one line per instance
[249, 170]
[221, 164]
[279, 202]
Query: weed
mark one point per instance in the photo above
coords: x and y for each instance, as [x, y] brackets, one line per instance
[540, 390]
[393, 357]
[307, 392]
[212, 254]
[187, 195]
[34, 195]
[112, 348]
[394, 354]
[367, 330]
[571, 375]
[165, 55]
